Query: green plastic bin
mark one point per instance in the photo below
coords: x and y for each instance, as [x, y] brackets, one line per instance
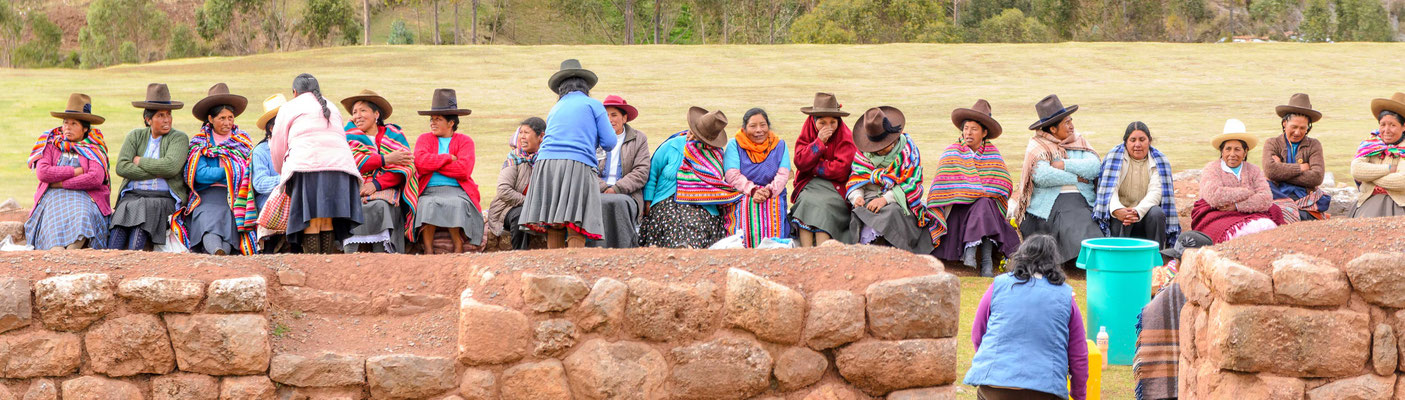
[1119, 285]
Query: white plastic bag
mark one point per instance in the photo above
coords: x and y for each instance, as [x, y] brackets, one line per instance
[174, 244]
[9, 245]
[776, 243]
[736, 241]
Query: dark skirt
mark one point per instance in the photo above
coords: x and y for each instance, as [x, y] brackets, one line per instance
[820, 207]
[323, 194]
[564, 192]
[1070, 222]
[621, 217]
[145, 209]
[968, 224]
[212, 217]
[899, 230]
[521, 238]
[674, 225]
[1151, 227]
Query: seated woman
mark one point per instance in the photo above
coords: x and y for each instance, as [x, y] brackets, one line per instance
[222, 212]
[1293, 163]
[1156, 364]
[757, 165]
[1028, 332]
[1057, 193]
[885, 187]
[444, 161]
[265, 178]
[1234, 195]
[501, 228]
[1135, 196]
[150, 165]
[684, 205]
[624, 171]
[71, 202]
[824, 153]
[969, 191]
[389, 191]
[1378, 161]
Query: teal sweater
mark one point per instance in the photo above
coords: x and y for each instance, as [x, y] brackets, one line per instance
[1049, 181]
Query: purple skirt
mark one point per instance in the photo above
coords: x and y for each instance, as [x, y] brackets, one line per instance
[969, 223]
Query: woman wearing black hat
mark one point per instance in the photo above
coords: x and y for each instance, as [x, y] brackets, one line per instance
[444, 161]
[1057, 189]
[150, 164]
[885, 187]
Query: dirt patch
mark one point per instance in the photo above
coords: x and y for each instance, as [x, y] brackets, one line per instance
[1338, 240]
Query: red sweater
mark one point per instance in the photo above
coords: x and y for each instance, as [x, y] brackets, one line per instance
[829, 160]
[428, 161]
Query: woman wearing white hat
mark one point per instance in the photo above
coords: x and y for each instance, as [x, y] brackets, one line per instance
[1234, 195]
[1378, 162]
[265, 177]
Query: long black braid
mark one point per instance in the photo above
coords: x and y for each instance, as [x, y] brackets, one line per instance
[306, 83]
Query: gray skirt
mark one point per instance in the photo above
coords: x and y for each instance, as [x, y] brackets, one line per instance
[820, 207]
[621, 220]
[212, 217]
[1378, 205]
[148, 210]
[1070, 222]
[900, 231]
[384, 224]
[449, 207]
[564, 192]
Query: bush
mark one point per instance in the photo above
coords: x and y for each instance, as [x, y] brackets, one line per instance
[127, 53]
[184, 44]
[1363, 21]
[113, 23]
[1317, 23]
[399, 34]
[42, 49]
[325, 16]
[1012, 26]
[875, 21]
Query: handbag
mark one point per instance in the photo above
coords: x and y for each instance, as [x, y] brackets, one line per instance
[274, 216]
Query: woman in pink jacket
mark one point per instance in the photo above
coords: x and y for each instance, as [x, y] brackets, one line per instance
[71, 203]
[1234, 195]
[315, 170]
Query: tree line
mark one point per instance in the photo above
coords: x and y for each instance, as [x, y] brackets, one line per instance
[135, 31]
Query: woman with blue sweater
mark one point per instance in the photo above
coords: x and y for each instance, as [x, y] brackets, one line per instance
[1028, 333]
[563, 198]
[1057, 192]
[264, 176]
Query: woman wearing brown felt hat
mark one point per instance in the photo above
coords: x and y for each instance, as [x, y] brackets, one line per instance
[71, 202]
[686, 186]
[885, 186]
[150, 164]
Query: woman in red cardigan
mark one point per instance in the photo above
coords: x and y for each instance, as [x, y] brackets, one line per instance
[444, 165]
[823, 155]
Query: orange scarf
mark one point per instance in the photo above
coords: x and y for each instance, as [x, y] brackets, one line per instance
[757, 151]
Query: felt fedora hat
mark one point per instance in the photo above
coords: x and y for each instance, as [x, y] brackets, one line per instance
[630, 113]
[1051, 111]
[825, 106]
[1395, 103]
[1299, 104]
[80, 107]
[445, 102]
[158, 97]
[707, 126]
[571, 68]
[1234, 130]
[371, 97]
[219, 95]
[980, 112]
[878, 128]
[271, 105]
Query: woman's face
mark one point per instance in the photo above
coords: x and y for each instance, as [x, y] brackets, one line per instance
[223, 123]
[1232, 153]
[440, 126]
[617, 118]
[1064, 129]
[1295, 128]
[1391, 129]
[826, 122]
[757, 129]
[364, 117]
[160, 122]
[888, 149]
[73, 130]
[529, 140]
[1138, 145]
[972, 134]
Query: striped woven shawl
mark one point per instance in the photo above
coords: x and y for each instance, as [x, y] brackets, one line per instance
[700, 179]
[362, 150]
[904, 176]
[233, 155]
[963, 176]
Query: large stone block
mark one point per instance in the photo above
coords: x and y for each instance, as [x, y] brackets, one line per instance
[1364, 387]
[552, 293]
[237, 295]
[604, 306]
[322, 370]
[491, 334]
[1379, 278]
[924, 307]
[879, 367]
[220, 344]
[478, 384]
[773, 312]
[15, 304]
[39, 353]
[130, 345]
[403, 376]
[254, 387]
[835, 318]
[1288, 341]
[99, 388]
[1309, 281]
[928, 393]
[315, 301]
[669, 312]
[184, 387]
[42, 389]
[1384, 354]
[1218, 384]
[723, 368]
[623, 370]
[1235, 283]
[544, 380]
[798, 367]
[72, 302]
[159, 295]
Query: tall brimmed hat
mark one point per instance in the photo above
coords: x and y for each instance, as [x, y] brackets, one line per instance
[877, 128]
[80, 107]
[979, 113]
[1234, 130]
[1395, 103]
[368, 96]
[445, 102]
[571, 69]
[630, 113]
[158, 97]
[219, 96]
[271, 105]
[1051, 111]
[825, 106]
[707, 127]
[1299, 104]
[1186, 241]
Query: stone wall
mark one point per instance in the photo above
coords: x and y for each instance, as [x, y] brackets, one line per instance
[111, 335]
[1304, 329]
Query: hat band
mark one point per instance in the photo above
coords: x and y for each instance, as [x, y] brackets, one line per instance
[1046, 119]
[159, 101]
